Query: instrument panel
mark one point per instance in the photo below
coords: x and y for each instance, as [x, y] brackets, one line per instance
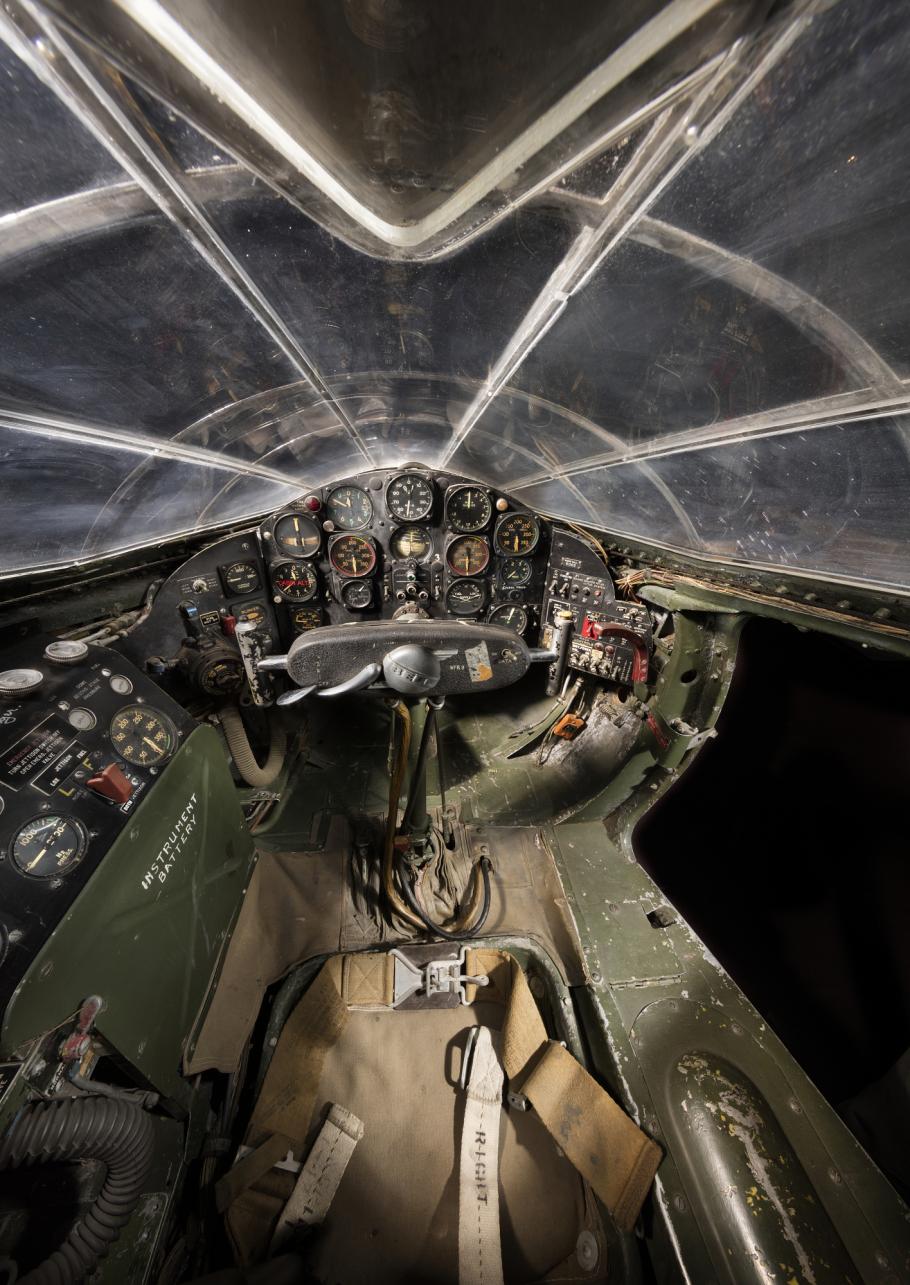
[381, 544]
[408, 541]
[83, 736]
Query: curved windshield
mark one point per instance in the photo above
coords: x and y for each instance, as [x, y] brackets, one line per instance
[669, 300]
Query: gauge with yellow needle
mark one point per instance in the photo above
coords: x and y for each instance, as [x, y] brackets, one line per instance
[468, 555]
[297, 535]
[352, 555]
[48, 846]
[142, 735]
[516, 534]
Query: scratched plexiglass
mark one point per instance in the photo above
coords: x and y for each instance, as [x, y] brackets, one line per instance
[695, 332]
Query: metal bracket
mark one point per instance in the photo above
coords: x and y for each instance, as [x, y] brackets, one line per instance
[517, 1101]
[288, 1164]
[438, 977]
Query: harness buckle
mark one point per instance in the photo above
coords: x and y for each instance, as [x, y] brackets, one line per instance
[438, 977]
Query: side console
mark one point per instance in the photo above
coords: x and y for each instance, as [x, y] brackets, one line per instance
[83, 736]
[594, 633]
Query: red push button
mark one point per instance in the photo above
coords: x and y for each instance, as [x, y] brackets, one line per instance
[111, 783]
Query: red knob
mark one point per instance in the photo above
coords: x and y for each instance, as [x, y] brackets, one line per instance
[111, 783]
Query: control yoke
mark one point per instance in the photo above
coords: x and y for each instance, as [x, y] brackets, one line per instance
[415, 657]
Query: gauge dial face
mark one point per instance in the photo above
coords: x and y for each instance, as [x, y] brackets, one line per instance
[297, 535]
[142, 735]
[222, 676]
[240, 577]
[294, 581]
[510, 617]
[250, 613]
[411, 542]
[349, 508]
[468, 556]
[352, 555]
[409, 497]
[357, 594]
[468, 509]
[517, 571]
[66, 651]
[48, 846]
[305, 618]
[82, 719]
[517, 534]
[466, 597]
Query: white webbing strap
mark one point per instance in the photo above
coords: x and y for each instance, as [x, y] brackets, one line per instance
[479, 1253]
[320, 1174]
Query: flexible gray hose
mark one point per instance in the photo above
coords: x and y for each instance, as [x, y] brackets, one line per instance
[242, 752]
[117, 1133]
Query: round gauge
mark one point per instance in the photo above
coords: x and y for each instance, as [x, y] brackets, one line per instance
[142, 735]
[297, 535]
[240, 577]
[349, 508]
[357, 594]
[411, 542]
[121, 684]
[409, 497]
[352, 555]
[222, 676]
[516, 534]
[516, 571]
[468, 509]
[15, 683]
[48, 846]
[305, 618]
[466, 597]
[250, 613]
[510, 617]
[295, 581]
[468, 556]
[66, 651]
[82, 719]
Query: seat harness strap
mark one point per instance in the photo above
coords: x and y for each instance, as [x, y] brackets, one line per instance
[598, 1138]
[320, 1176]
[479, 1252]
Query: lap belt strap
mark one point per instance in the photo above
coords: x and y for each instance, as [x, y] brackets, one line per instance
[598, 1138]
[320, 1175]
[479, 1253]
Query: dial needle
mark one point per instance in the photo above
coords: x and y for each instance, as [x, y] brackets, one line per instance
[155, 747]
[31, 865]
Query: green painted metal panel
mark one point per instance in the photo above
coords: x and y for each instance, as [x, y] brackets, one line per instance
[148, 930]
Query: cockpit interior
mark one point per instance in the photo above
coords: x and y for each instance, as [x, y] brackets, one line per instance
[454, 627]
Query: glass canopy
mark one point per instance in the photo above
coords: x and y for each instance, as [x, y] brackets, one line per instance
[662, 290]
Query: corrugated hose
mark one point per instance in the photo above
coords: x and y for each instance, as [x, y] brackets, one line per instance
[117, 1133]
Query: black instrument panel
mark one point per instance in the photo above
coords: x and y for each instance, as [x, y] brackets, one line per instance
[83, 735]
[405, 541]
[380, 544]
